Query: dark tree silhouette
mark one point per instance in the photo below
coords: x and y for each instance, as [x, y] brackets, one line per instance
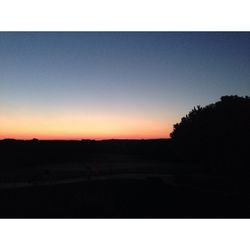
[218, 131]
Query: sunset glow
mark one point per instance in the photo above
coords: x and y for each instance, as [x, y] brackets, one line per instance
[81, 127]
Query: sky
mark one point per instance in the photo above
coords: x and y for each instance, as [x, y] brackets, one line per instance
[110, 85]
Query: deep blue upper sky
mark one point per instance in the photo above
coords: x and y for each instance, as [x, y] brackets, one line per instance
[152, 77]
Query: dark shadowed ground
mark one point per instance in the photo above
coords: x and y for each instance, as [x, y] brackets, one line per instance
[115, 179]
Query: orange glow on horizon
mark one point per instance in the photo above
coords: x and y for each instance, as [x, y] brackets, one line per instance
[77, 127]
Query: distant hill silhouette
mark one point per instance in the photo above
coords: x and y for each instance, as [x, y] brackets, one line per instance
[218, 132]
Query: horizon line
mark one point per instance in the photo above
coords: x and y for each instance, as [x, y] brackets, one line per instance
[85, 139]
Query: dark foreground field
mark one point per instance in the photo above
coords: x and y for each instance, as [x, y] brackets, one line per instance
[114, 179]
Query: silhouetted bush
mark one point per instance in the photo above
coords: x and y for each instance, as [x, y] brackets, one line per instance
[217, 132]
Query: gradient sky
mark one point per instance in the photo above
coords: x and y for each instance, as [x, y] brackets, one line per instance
[114, 85]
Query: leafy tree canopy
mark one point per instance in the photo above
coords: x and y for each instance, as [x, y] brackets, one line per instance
[216, 131]
[226, 119]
